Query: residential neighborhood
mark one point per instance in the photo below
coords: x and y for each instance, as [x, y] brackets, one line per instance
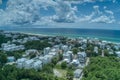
[74, 53]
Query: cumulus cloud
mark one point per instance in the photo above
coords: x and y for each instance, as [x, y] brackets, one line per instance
[64, 12]
[97, 16]
[28, 12]
[103, 19]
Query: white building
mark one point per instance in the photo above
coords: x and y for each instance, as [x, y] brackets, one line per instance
[44, 60]
[21, 62]
[118, 53]
[12, 47]
[31, 51]
[37, 65]
[48, 58]
[75, 62]
[46, 50]
[68, 56]
[82, 57]
[77, 73]
[96, 49]
[53, 53]
[65, 48]
[28, 64]
[57, 47]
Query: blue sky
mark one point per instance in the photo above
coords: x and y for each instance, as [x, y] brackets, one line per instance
[59, 12]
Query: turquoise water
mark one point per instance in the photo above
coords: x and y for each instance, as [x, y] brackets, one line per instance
[109, 35]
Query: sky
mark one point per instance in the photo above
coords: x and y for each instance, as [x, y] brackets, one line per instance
[61, 13]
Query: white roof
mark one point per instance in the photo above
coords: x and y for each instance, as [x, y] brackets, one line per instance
[69, 52]
[82, 53]
[66, 60]
[29, 61]
[37, 63]
[21, 60]
[78, 71]
[52, 53]
[118, 52]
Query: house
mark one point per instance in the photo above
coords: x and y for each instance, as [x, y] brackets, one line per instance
[37, 65]
[117, 53]
[21, 62]
[46, 50]
[66, 60]
[44, 59]
[53, 53]
[12, 47]
[96, 49]
[77, 73]
[48, 58]
[57, 47]
[68, 56]
[82, 57]
[53, 50]
[75, 62]
[65, 48]
[33, 38]
[31, 51]
[28, 64]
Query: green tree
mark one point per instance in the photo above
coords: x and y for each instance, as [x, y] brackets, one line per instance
[3, 58]
[75, 50]
[55, 60]
[69, 75]
[63, 65]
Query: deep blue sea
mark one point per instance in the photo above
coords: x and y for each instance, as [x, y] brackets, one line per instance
[109, 35]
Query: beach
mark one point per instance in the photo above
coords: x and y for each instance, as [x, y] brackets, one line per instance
[108, 35]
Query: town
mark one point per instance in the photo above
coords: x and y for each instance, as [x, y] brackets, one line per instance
[27, 51]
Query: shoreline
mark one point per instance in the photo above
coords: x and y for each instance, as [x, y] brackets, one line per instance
[67, 35]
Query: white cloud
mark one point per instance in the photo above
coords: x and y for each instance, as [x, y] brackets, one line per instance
[114, 1]
[97, 16]
[87, 17]
[105, 7]
[28, 11]
[103, 19]
[97, 11]
[64, 12]
[109, 12]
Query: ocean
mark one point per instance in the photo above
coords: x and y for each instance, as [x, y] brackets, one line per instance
[109, 35]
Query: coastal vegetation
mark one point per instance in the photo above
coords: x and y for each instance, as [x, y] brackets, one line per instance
[39, 45]
[4, 39]
[102, 68]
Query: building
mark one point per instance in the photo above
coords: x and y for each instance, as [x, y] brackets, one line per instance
[46, 50]
[96, 49]
[77, 73]
[75, 62]
[82, 57]
[44, 59]
[118, 53]
[65, 48]
[57, 47]
[20, 62]
[37, 65]
[68, 56]
[12, 47]
[29, 64]
[31, 51]
[53, 53]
